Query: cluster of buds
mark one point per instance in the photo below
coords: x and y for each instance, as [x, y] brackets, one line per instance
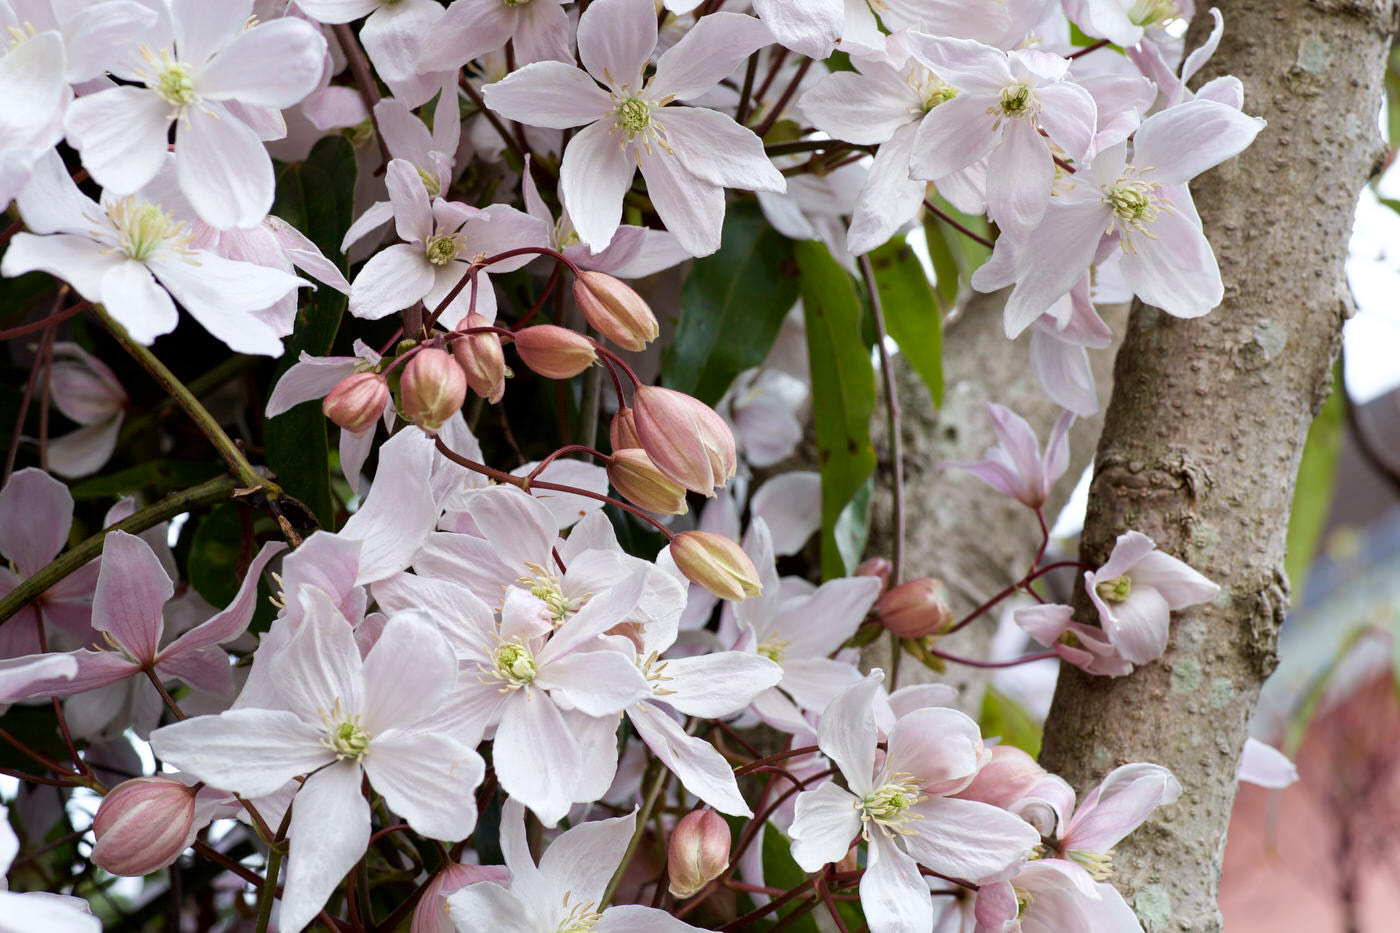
[686, 439]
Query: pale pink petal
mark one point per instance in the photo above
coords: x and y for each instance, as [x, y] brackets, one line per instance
[1179, 585]
[36, 512]
[969, 840]
[337, 11]
[233, 620]
[427, 779]
[22, 678]
[691, 208]
[952, 136]
[132, 296]
[375, 216]
[1056, 257]
[221, 295]
[584, 859]
[810, 27]
[274, 64]
[502, 228]
[713, 147]
[963, 63]
[1185, 140]
[1019, 173]
[935, 745]
[354, 451]
[393, 279]
[50, 202]
[1045, 623]
[718, 684]
[1068, 114]
[468, 561]
[1138, 625]
[536, 757]
[132, 590]
[329, 833]
[615, 40]
[393, 38]
[596, 683]
[399, 512]
[543, 34]
[889, 199]
[861, 107]
[707, 54]
[121, 135]
[413, 217]
[601, 612]
[319, 668]
[408, 673]
[1176, 271]
[548, 94]
[1265, 766]
[893, 894]
[223, 168]
[826, 821]
[1130, 548]
[468, 30]
[1119, 805]
[847, 733]
[703, 771]
[206, 669]
[220, 749]
[595, 174]
[308, 379]
[1063, 371]
[507, 912]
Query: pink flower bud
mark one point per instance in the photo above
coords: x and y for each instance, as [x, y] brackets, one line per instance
[432, 389]
[878, 567]
[634, 475]
[481, 359]
[685, 438]
[431, 915]
[623, 430]
[716, 563]
[1005, 779]
[357, 401]
[143, 825]
[914, 609]
[555, 352]
[615, 309]
[698, 853]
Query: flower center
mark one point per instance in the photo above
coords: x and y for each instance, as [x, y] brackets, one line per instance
[1116, 590]
[774, 649]
[655, 673]
[931, 88]
[143, 229]
[888, 805]
[430, 182]
[547, 588]
[581, 918]
[1158, 13]
[172, 80]
[1016, 101]
[344, 734]
[1135, 204]
[513, 664]
[633, 115]
[1099, 865]
[441, 248]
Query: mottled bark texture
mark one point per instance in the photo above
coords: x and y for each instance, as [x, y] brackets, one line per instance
[960, 530]
[1205, 428]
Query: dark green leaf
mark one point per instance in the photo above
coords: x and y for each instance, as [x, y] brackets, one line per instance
[853, 526]
[732, 306]
[780, 871]
[316, 197]
[1004, 717]
[843, 390]
[1317, 476]
[911, 311]
[213, 563]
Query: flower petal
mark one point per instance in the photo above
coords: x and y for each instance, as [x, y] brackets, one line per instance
[969, 840]
[549, 94]
[593, 178]
[36, 512]
[703, 771]
[274, 64]
[691, 208]
[616, 39]
[893, 894]
[427, 779]
[713, 147]
[248, 751]
[329, 833]
[223, 168]
[121, 135]
[393, 279]
[826, 821]
[536, 758]
[707, 54]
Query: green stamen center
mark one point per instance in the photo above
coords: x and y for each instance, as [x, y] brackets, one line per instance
[888, 806]
[1116, 590]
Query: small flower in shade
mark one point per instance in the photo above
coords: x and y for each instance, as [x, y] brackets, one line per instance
[685, 438]
[717, 563]
[698, 852]
[432, 389]
[1085, 646]
[634, 475]
[357, 401]
[915, 609]
[1136, 591]
[143, 825]
[614, 308]
[482, 359]
[1015, 465]
[554, 352]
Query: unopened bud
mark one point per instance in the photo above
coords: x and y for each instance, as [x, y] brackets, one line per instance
[685, 438]
[555, 352]
[481, 359]
[143, 825]
[357, 401]
[914, 609]
[432, 389]
[1005, 779]
[623, 430]
[699, 852]
[878, 567]
[615, 309]
[716, 563]
[634, 475]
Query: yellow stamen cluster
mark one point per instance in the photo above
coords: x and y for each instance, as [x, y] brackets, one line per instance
[888, 806]
[581, 918]
[547, 588]
[344, 734]
[172, 80]
[143, 229]
[1116, 590]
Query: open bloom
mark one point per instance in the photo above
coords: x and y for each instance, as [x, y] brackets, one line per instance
[688, 155]
[195, 61]
[538, 30]
[133, 256]
[1136, 592]
[899, 806]
[1015, 465]
[342, 719]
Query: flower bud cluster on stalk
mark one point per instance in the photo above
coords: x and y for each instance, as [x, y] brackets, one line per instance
[493, 667]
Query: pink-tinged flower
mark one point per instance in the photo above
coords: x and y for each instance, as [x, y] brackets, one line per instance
[1128, 22]
[442, 240]
[1015, 465]
[809, 27]
[36, 514]
[341, 719]
[128, 610]
[432, 914]
[1084, 646]
[1003, 103]
[1152, 59]
[194, 62]
[1265, 766]
[996, 22]
[901, 808]
[1136, 592]
[688, 155]
[87, 392]
[1145, 204]
[399, 510]
[1050, 896]
[131, 254]
[562, 892]
[537, 29]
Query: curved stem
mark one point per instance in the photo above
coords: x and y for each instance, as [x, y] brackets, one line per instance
[43, 322]
[974, 662]
[932, 209]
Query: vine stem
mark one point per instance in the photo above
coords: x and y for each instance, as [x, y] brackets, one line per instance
[657, 787]
[941, 215]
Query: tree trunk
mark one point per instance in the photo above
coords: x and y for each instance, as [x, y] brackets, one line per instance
[1205, 429]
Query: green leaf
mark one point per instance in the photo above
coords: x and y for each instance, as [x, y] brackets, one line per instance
[1003, 716]
[1317, 477]
[843, 391]
[955, 255]
[853, 526]
[732, 306]
[911, 311]
[316, 197]
[780, 871]
[213, 563]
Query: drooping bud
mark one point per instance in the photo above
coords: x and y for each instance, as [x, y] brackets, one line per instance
[716, 563]
[634, 475]
[482, 360]
[432, 913]
[878, 567]
[357, 401]
[555, 352]
[698, 853]
[432, 389]
[685, 438]
[914, 609]
[615, 309]
[143, 825]
[1005, 779]
[623, 430]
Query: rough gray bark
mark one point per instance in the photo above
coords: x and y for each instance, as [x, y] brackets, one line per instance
[949, 514]
[1205, 428]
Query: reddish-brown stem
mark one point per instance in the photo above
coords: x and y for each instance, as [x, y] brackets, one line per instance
[831, 905]
[567, 449]
[364, 80]
[36, 756]
[539, 302]
[771, 76]
[24, 401]
[773, 759]
[932, 209]
[775, 904]
[777, 110]
[45, 384]
[40, 324]
[1087, 49]
[1019, 585]
[974, 662]
[608, 354]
